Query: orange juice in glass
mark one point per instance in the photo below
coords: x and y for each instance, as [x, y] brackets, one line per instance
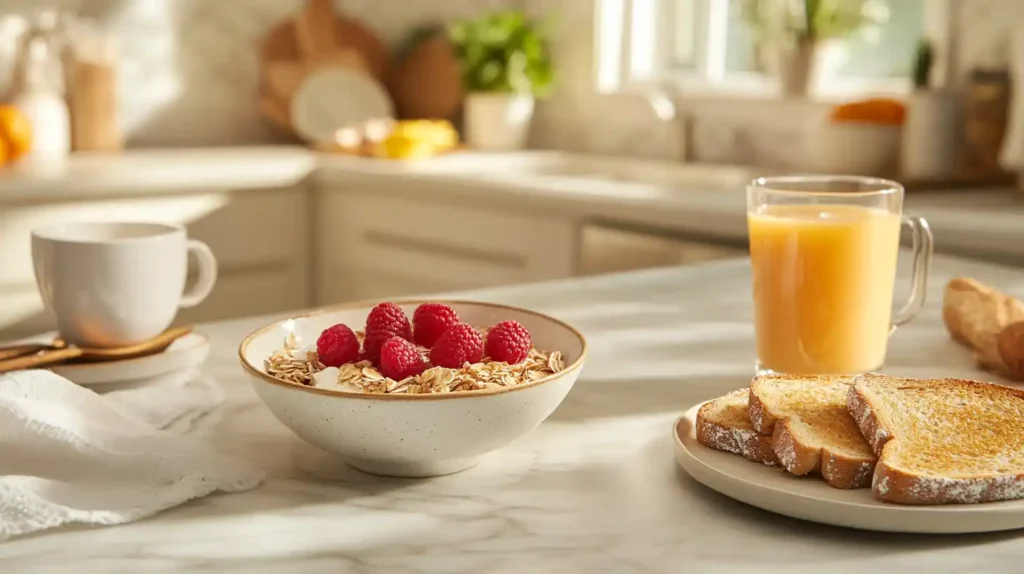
[823, 252]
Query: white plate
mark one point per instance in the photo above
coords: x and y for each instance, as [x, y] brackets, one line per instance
[811, 499]
[334, 98]
[183, 354]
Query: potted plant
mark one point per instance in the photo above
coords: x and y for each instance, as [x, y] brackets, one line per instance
[505, 64]
[930, 132]
[792, 32]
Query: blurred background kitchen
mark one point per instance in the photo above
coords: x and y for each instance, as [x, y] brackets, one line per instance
[331, 151]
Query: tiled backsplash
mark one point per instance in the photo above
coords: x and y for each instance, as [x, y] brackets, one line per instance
[189, 67]
[189, 76]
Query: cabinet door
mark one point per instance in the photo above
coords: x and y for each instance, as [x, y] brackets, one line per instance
[373, 247]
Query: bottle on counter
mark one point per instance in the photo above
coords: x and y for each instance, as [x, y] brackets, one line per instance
[39, 94]
[91, 64]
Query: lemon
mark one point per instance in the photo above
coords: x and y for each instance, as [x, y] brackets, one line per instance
[398, 146]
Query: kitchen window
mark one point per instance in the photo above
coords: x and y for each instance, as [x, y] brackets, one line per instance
[710, 47]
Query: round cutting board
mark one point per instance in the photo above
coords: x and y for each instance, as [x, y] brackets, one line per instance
[809, 498]
[335, 97]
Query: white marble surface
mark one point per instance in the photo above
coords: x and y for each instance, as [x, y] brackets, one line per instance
[157, 171]
[981, 223]
[975, 223]
[594, 489]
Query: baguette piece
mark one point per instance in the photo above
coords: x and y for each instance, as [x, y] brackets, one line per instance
[722, 424]
[942, 441]
[987, 321]
[810, 428]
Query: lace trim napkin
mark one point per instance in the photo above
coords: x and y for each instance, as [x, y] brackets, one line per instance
[68, 454]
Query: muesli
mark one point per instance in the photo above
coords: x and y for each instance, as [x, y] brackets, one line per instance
[436, 353]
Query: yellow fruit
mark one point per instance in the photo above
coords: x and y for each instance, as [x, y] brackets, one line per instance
[15, 132]
[398, 146]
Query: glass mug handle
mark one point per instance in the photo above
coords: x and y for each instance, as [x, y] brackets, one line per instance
[921, 236]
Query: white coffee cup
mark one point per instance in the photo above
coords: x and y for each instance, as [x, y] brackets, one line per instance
[115, 284]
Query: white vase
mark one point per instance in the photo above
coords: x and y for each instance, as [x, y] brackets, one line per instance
[930, 135]
[497, 121]
[796, 67]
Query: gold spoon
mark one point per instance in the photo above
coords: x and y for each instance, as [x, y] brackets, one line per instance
[11, 351]
[59, 352]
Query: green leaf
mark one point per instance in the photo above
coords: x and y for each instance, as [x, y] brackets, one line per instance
[503, 51]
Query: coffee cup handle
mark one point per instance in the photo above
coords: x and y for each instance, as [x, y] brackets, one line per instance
[207, 274]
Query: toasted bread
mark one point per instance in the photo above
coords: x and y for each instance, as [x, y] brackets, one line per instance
[810, 428]
[941, 441]
[722, 424]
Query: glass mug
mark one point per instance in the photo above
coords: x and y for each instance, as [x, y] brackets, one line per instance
[823, 250]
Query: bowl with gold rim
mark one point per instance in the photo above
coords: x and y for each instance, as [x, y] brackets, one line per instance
[440, 421]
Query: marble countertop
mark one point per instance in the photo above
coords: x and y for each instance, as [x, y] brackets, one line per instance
[982, 223]
[987, 223]
[593, 489]
[158, 171]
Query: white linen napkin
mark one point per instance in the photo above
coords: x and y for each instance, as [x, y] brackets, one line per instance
[68, 454]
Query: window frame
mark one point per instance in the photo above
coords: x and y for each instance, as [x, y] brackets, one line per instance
[637, 60]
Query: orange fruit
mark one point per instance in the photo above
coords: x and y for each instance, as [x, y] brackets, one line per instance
[15, 131]
[885, 111]
[4, 152]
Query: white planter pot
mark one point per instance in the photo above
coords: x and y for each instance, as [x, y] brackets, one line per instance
[497, 121]
[929, 135]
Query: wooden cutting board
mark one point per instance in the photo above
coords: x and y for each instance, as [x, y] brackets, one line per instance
[427, 83]
[316, 38]
[354, 35]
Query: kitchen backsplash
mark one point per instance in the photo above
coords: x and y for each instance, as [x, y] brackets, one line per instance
[189, 76]
[189, 67]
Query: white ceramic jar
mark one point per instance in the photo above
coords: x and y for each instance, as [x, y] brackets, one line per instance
[43, 103]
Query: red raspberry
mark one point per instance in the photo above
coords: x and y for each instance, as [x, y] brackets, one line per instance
[460, 344]
[385, 321]
[508, 341]
[430, 321]
[400, 359]
[337, 345]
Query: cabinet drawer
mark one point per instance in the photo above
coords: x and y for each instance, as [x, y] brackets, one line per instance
[406, 244]
[248, 294]
[243, 229]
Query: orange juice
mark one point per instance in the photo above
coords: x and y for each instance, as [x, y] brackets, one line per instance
[823, 283]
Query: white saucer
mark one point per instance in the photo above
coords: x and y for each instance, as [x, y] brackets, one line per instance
[185, 353]
[809, 498]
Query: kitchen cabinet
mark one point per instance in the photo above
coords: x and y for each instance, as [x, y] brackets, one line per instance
[260, 236]
[608, 249]
[371, 245]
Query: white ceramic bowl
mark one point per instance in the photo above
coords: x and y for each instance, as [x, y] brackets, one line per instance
[856, 148]
[413, 435]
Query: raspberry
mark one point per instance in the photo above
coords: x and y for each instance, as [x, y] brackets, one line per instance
[460, 344]
[386, 320]
[509, 342]
[430, 321]
[337, 345]
[400, 359]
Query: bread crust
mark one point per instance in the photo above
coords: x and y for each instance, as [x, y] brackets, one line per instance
[744, 442]
[989, 322]
[800, 459]
[896, 486]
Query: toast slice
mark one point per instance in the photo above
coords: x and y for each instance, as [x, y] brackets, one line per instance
[722, 424]
[942, 441]
[811, 430]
